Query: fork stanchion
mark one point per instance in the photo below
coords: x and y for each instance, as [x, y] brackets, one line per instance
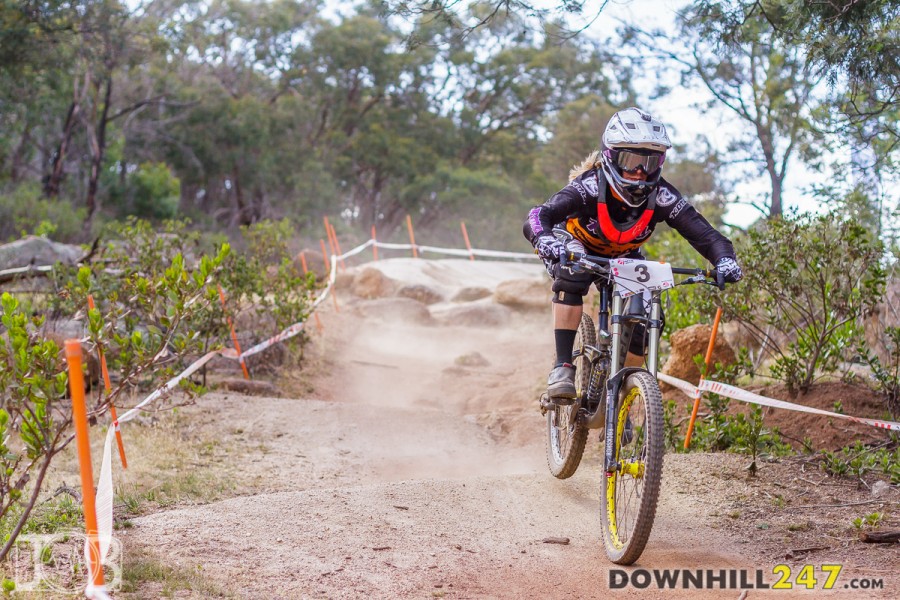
[108, 385]
[412, 238]
[462, 224]
[83, 443]
[709, 352]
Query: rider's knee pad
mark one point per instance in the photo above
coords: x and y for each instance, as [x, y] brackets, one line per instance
[568, 298]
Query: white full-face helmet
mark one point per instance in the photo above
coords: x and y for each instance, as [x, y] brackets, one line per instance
[633, 141]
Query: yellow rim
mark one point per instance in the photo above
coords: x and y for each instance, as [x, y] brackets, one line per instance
[635, 469]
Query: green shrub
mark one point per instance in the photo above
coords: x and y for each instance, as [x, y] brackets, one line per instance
[24, 210]
[807, 279]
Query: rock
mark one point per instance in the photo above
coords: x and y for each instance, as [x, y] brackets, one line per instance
[475, 315]
[249, 387]
[687, 343]
[35, 250]
[371, 283]
[422, 293]
[468, 294]
[881, 488]
[395, 309]
[472, 359]
[343, 281]
[524, 294]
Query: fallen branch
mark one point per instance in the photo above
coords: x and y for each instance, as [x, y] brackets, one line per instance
[879, 536]
[836, 505]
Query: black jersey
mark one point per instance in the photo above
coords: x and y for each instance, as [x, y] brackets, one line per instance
[581, 209]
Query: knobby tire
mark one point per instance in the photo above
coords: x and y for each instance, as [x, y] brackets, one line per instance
[628, 502]
[565, 445]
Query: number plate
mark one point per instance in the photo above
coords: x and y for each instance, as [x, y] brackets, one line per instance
[638, 276]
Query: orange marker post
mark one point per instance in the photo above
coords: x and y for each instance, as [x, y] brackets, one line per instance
[83, 443]
[374, 244]
[337, 246]
[709, 352]
[303, 263]
[412, 238]
[108, 386]
[462, 224]
[234, 339]
[325, 256]
[305, 271]
[328, 235]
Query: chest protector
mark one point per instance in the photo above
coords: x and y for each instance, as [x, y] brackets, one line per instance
[622, 233]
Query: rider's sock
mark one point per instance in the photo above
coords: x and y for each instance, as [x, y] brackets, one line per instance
[565, 340]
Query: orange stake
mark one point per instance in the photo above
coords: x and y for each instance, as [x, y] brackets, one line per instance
[466, 237]
[412, 238]
[328, 235]
[83, 442]
[709, 353]
[303, 262]
[234, 339]
[108, 385]
[337, 246]
[374, 244]
[305, 271]
[325, 256]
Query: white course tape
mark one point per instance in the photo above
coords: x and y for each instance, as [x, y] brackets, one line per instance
[104, 499]
[729, 391]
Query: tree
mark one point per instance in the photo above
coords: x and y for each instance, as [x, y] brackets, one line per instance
[765, 82]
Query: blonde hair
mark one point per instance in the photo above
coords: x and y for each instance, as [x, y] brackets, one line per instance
[592, 160]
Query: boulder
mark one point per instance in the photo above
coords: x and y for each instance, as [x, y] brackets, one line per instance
[475, 315]
[371, 283]
[472, 359]
[35, 250]
[469, 294]
[524, 294]
[421, 293]
[687, 343]
[394, 309]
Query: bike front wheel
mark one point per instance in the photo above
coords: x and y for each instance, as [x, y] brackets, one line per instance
[629, 498]
[566, 425]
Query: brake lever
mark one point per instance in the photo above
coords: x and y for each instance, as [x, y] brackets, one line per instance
[720, 280]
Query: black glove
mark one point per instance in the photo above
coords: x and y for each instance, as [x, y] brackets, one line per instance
[549, 247]
[729, 268]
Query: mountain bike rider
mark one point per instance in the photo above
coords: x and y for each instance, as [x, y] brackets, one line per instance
[611, 205]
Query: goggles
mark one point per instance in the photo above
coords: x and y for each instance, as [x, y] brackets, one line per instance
[630, 161]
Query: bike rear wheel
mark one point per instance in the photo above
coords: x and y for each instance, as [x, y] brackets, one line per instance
[631, 492]
[566, 425]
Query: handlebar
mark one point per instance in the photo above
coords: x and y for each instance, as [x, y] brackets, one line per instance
[600, 266]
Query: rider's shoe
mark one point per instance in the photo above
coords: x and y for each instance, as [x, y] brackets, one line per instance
[561, 384]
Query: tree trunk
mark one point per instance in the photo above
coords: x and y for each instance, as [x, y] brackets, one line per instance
[98, 147]
[243, 214]
[51, 187]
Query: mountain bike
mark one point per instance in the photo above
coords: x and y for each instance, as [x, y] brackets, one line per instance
[623, 402]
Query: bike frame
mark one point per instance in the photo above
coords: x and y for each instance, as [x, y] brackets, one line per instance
[610, 323]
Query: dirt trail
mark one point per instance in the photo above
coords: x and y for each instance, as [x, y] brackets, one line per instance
[412, 475]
